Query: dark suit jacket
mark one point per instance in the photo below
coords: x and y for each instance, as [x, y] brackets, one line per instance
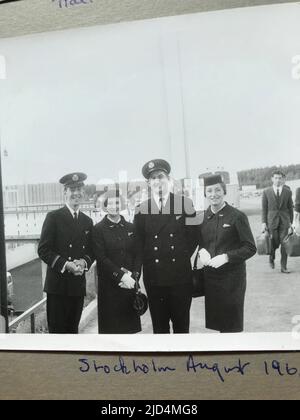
[297, 203]
[167, 241]
[62, 241]
[275, 213]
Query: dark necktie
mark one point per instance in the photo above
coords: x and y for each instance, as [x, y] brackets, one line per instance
[75, 217]
[161, 205]
[278, 197]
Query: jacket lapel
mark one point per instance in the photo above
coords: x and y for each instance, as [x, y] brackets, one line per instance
[278, 204]
[68, 217]
[70, 222]
[160, 221]
[282, 197]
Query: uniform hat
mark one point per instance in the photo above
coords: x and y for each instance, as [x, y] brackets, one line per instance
[73, 180]
[156, 165]
[212, 180]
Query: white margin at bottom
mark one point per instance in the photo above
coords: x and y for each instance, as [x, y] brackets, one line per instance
[245, 342]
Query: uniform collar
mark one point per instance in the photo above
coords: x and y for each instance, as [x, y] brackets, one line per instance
[72, 211]
[112, 225]
[220, 213]
[157, 199]
[275, 189]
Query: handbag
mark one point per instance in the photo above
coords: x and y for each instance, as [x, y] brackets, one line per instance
[292, 245]
[264, 244]
[140, 301]
[198, 280]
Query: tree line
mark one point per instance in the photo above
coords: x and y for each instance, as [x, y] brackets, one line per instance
[261, 177]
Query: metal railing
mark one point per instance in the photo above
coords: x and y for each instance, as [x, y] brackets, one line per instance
[30, 313]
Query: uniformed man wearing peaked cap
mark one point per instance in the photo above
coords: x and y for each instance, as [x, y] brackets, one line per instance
[154, 166]
[167, 231]
[65, 246]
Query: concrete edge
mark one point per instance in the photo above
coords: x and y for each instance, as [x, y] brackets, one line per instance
[88, 314]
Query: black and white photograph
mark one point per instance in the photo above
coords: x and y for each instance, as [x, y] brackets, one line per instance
[150, 177]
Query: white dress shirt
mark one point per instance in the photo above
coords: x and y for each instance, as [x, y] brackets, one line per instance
[159, 200]
[278, 189]
[73, 211]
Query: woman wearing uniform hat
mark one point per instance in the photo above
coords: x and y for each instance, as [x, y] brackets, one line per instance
[114, 243]
[226, 242]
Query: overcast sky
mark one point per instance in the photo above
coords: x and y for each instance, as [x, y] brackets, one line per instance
[109, 98]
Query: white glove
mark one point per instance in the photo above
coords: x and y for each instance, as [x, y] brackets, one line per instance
[204, 257]
[127, 282]
[218, 261]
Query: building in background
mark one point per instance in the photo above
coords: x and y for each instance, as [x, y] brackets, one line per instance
[32, 195]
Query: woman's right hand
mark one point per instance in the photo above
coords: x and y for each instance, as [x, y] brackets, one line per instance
[204, 257]
[127, 282]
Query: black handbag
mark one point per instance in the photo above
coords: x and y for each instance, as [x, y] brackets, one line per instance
[198, 280]
[140, 302]
[292, 245]
[264, 244]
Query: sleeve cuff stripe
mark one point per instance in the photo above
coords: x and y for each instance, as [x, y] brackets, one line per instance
[55, 261]
[88, 258]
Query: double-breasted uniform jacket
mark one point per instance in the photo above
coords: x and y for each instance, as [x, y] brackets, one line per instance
[277, 213]
[115, 248]
[227, 232]
[63, 239]
[167, 240]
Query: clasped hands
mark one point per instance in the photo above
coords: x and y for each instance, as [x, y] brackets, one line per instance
[127, 282]
[206, 260]
[76, 267]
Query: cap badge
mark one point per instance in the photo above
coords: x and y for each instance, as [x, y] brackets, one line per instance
[75, 178]
[151, 165]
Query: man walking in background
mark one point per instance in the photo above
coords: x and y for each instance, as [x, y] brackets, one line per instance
[66, 247]
[278, 216]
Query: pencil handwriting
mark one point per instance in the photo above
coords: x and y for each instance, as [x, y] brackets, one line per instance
[65, 4]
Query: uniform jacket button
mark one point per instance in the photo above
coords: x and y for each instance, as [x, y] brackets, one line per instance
[156, 249]
[173, 247]
[83, 247]
[171, 235]
[174, 260]
[157, 261]
[156, 237]
[70, 258]
[71, 246]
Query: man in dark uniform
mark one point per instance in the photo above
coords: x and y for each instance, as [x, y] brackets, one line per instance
[278, 216]
[66, 248]
[166, 228]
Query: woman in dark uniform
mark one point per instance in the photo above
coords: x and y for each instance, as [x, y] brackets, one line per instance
[115, 249]
[226, 242]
